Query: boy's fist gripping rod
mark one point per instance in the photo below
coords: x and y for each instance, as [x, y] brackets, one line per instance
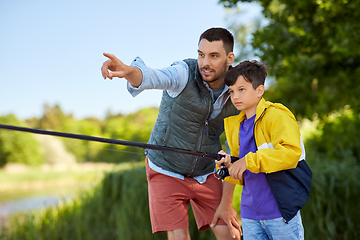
[222, 171]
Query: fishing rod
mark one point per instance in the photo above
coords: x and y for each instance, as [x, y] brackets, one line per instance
[221, 173]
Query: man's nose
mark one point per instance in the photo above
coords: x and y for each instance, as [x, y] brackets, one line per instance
[206, 61]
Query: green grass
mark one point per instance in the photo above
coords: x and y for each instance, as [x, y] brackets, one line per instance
[34, 174]
[117, 208]
[38, 174]
[33, 178]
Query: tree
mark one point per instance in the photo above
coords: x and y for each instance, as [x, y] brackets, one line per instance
[312, 50]
[53, 118]
[135, 127]
[18, 147]
[84, 151]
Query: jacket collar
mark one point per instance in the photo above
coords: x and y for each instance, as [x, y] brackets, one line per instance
[261, 107]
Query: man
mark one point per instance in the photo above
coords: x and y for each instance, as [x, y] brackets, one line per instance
[194, 104]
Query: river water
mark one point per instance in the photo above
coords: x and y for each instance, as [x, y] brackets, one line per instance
[26, 201]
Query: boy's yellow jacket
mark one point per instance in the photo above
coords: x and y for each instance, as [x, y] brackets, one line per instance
[277, 137]
[280, 154]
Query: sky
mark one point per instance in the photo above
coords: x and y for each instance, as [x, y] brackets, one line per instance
[51, 51]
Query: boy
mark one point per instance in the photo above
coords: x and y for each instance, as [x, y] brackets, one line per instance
[271, 167]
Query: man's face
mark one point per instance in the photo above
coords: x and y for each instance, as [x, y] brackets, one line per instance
[213, 61]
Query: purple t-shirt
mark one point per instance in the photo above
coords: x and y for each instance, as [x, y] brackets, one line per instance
[257, 200]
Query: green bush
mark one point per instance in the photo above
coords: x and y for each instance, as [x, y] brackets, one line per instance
[84, 151]
[332, 211]
[18, 147]
[134, 127]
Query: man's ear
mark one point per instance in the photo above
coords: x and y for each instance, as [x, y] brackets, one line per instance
[260, 90]
[230, 59]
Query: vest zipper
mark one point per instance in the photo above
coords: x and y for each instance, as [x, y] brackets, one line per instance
[207, 127]
[198, 144]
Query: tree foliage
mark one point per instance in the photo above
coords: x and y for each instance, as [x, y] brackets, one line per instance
[135, 127]
[53, 118]
[18, 147]
[312, 50]
[84, 151]
[334, 156]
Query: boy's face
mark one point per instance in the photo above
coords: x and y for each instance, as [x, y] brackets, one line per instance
[244, 97]
[213, 61]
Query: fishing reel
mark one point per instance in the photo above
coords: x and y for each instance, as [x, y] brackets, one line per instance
[222, 173]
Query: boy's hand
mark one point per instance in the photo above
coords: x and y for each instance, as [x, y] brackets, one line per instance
[237, 169]
[225, 161]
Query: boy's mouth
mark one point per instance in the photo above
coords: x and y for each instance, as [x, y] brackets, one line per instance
[238, 103]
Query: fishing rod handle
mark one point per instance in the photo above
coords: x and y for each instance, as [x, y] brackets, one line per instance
[233, 159]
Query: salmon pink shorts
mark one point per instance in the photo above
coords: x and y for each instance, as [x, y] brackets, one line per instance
[169, 200]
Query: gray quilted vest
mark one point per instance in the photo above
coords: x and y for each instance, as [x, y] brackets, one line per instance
[183, 123]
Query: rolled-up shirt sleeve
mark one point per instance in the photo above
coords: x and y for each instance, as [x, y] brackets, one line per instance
[173, 78]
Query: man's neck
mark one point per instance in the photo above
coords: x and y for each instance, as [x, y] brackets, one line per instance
[217, 91]
[216, 84]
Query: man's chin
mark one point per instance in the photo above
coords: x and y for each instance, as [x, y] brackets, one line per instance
[208, 78]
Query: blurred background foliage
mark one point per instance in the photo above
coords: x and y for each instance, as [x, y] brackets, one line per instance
[312, 50]
[23, 148]
[18, 147]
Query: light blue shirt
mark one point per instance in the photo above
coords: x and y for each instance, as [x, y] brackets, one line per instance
[172, 79]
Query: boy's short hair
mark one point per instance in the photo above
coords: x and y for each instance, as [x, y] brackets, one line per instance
[219, 34]
[252, 71]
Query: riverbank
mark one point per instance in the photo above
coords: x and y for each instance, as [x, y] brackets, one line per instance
[24, 188]
[17, 178]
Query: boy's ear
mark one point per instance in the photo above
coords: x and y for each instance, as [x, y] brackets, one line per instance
[260, 90]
